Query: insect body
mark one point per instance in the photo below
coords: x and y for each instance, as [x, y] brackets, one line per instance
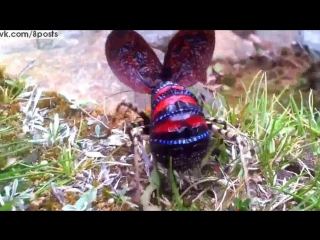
[178, 128]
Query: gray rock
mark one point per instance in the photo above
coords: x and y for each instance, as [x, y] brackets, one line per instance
[16, 45]
[311, 39]
[158, 39]
[68, 38]
[73, 33]
[278, 38]
[243, 33]
[78, 65]
[231, 46]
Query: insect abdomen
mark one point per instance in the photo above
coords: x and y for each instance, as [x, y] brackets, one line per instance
[178, 127]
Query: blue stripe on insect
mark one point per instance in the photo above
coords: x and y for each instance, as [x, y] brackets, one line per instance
[164, 84]
[181, 110]
[182, 141]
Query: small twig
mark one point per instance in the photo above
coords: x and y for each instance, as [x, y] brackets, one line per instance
[222, 200]
[89, 115]
[200, 194]
[27, 68]
[136, 139]
[245, 167]
[165, 202]
[209, 179]
[103, 136]
[216, 198]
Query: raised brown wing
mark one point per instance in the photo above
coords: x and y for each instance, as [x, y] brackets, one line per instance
[188, 57]
[132, 60]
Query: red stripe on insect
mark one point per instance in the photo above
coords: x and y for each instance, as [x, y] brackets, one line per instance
[172, 100]
[167, 88]
[177, 126]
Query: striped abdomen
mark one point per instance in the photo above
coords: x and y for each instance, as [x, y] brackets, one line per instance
[178, 127]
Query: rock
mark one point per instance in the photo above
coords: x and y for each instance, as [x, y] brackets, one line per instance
[81, 71]
[160, 54]
[67, 39]
[228, 44]
[244, 33]
[76, 66]
[158, 39]
[231, 46]
[15, 45]
[310, 38]
[278, 38]
[74, 33]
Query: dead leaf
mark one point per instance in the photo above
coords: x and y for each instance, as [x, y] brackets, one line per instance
[151, 208]
[10, 161]
[94, 154]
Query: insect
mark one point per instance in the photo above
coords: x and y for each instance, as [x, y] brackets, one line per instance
[177, 126]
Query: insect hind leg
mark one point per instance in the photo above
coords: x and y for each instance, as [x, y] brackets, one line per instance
[139, 151]
[219, 121]
[228, 133]
[243, 145]
[142, 114]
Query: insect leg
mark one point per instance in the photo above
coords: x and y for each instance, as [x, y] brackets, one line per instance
[245, 153]
[136, 140]
[143, 115]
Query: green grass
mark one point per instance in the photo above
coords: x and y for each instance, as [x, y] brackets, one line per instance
[48, 164]
[285, 135]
